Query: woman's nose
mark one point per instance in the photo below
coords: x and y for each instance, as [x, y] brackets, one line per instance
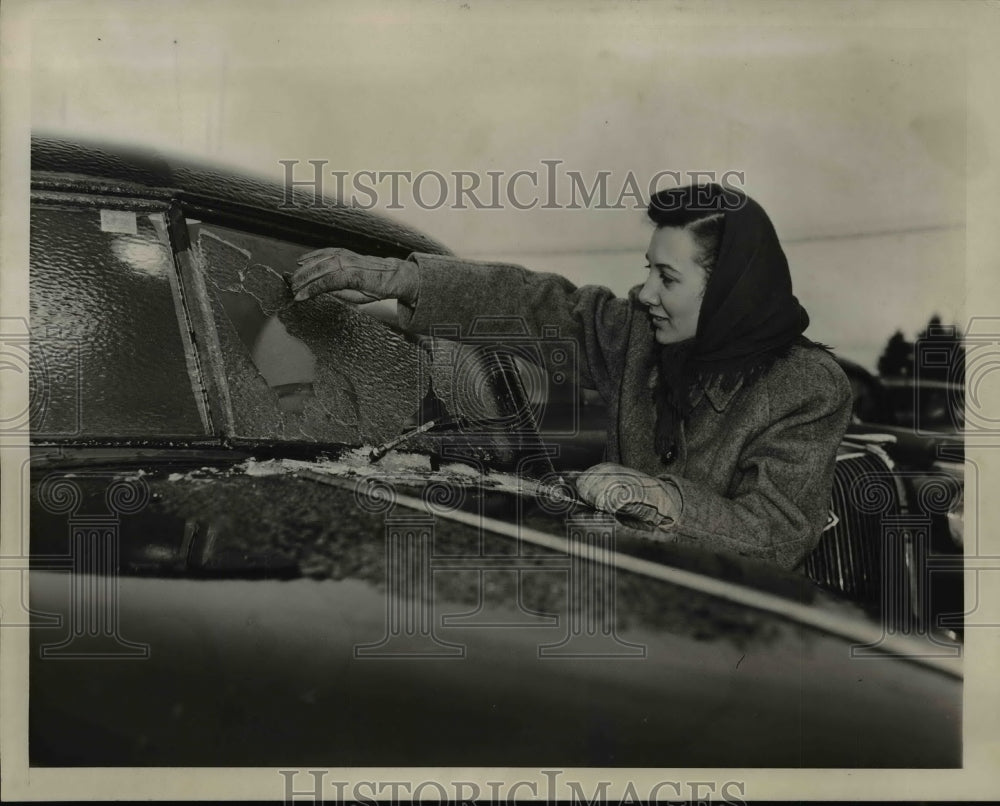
[647, 294]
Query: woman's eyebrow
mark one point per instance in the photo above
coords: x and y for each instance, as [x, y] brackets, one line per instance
[662, 265]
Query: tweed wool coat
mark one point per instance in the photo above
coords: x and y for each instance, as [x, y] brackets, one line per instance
[754, 464]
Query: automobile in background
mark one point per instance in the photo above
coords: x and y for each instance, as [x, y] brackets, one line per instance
[922, 405]
[926, 405]
[221, 575]
[918, 424]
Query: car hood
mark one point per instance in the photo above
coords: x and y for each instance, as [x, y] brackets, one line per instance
[253, 586]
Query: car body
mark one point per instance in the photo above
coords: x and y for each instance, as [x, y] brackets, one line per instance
[221, 576]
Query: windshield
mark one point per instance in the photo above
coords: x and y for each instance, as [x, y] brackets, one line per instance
[324, 371]
[321, 372]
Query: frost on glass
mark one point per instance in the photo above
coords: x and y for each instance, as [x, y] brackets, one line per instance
[106, 350]
[321, 370]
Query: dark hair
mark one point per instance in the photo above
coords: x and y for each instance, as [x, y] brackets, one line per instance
[698, 209]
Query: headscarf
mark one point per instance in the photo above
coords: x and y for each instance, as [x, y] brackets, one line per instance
[748, 318]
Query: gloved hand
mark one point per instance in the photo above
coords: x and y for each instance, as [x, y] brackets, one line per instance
[354, 278]
[621, 490]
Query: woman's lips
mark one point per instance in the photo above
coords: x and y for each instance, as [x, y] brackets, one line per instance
[658, 318]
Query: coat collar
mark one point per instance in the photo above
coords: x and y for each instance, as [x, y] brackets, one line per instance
[713, 390]
[716, 394]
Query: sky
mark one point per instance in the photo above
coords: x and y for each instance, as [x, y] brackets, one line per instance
[855, 138]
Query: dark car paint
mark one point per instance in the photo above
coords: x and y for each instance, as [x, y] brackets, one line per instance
[251, 653]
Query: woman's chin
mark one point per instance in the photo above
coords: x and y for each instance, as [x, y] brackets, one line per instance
[665, 335]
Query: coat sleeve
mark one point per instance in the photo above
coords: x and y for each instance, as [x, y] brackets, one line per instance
[779, 502]
[456, 293]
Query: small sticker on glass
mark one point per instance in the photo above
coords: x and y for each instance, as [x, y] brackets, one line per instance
[118, 221]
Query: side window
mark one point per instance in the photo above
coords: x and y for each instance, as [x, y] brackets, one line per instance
[107, 353]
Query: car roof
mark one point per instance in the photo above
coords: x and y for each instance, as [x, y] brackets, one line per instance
[61, 163]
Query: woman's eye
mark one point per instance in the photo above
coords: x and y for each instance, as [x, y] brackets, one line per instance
[665, 278]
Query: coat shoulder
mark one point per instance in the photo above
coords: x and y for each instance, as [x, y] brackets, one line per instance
[809, 373]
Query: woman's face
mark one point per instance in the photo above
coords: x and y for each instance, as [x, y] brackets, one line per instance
[675, 285]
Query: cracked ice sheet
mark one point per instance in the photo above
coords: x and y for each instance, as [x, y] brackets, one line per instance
[363, 377]
[396, 466]
[366, 380]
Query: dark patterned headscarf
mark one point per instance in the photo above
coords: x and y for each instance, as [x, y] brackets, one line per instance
[749, 316]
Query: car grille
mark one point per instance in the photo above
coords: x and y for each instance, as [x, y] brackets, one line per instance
[848, 558]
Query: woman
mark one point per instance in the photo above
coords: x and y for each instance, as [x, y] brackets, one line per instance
[724, 419]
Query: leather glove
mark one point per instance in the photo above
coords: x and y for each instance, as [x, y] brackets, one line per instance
[354, 278]
[621, 490]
